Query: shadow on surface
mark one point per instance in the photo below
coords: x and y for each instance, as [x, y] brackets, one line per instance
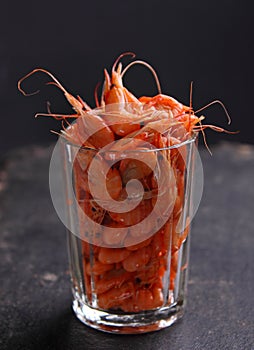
[65, 332]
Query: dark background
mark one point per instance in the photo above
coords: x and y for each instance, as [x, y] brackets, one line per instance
[209, 42]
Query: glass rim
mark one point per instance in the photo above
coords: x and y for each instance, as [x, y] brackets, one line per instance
[193, 138]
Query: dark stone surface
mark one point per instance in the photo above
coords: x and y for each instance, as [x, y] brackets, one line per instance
[35, 296]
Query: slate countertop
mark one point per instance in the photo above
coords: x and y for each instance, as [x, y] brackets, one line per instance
[35, 295]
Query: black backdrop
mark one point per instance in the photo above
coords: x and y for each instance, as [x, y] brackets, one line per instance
[209, 42]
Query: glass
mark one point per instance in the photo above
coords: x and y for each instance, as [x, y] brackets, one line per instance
[129, 274]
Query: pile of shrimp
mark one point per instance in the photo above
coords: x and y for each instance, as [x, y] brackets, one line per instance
[131, 278]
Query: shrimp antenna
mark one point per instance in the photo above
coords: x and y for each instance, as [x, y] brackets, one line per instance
[212, 103]
[149, 67]
[83, 103]
[129, 53]
[56, 116]
[48, 107]
[56, 82]
[216, 128]
[191, 92]
[56, 133]
[190, 110]
[204, 137]
[96, 94]
[71, 99]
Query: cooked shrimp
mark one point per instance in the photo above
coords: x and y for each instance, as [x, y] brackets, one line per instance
[81, 178]
[158, 299]
[89, 125]
[109, 180]
[178, 155]
[112, 279]
[123, 140]
[137, 259]
[155, 132]
[112, 255]
[93, 210]
[149, 274]
[85, 156]
[97, 268]
[130, 243]
[179, 238]
[114, 237]
[133, 216]
[115, 297]
[165, 102]
[144, 299]
[78, 104]
[138, 168]
[93, 128]
[114, 91]
[158, 248]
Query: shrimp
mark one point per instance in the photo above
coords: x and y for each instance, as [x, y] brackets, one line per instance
[137, 258]
[89, 131]
[178, 155]
[135, 215]
[155, 132]
[111, 177]
[97, 268]
[89, 126]
[77, 103]
[161, 101]
[113, 237]
[143, 299]
[114, 91]
[130, 243]
[142, 136]
[149, 299]
[112, 255]
[158, 299]
[92, 209]
[148, 274]
[85, 156]
[94, 129]
[158, 249]
[115, 297]
[185, 115]
[112, 279]
[178, 239]
[138, 168]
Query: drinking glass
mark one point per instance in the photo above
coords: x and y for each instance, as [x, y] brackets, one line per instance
[129, 210]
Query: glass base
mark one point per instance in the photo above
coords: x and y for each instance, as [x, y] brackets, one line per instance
[132, 323]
